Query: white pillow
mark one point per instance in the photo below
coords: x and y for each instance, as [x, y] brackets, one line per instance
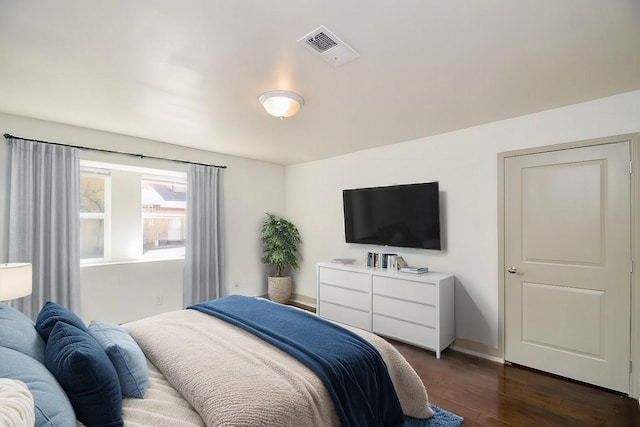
[16, 404]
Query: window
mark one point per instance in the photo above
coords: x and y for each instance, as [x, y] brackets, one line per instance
[94, 197]
[164, 207]
[129, 213]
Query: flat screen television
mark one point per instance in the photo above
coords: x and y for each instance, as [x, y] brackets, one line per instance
[399, 215]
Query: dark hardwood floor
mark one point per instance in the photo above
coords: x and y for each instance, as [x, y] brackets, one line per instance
[487, 393]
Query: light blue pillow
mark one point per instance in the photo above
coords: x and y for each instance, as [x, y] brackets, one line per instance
[52, 313]
[17, 332]
[86, 374]
[126, 356]
[52, 406]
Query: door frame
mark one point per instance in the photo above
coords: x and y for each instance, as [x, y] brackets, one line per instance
[634, 140]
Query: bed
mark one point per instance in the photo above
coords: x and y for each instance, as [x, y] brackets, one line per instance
[191, 368]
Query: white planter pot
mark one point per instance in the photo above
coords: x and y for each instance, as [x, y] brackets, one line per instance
[279, 289]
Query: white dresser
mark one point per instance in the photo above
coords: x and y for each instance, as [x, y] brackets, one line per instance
[413, 308]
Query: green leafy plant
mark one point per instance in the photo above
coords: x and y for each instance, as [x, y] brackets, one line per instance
[280, 239]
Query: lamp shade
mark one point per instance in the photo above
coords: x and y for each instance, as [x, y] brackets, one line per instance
[280, 103]
[15, 281]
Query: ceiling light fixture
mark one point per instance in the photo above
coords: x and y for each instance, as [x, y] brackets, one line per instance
[280, 103]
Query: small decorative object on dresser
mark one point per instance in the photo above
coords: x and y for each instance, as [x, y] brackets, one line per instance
[280, 239]
[414, 270]
[343, 260]
[400, 262]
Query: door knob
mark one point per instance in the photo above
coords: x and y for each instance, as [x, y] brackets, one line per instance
[512, 270]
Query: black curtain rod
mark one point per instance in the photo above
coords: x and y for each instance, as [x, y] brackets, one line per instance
[142, 156]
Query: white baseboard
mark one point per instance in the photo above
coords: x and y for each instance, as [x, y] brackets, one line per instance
[304, 300]
[478, 349]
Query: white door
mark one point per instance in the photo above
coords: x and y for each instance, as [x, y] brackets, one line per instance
[567, 246]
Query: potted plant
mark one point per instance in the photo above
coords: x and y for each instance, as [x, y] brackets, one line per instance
[280, 239]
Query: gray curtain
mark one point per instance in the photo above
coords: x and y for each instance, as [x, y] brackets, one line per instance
[204, 246]
[43, 221]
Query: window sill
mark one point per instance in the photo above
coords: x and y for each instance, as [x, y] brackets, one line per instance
[137, 261]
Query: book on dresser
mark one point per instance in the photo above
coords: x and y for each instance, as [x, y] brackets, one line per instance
[414, 308]
[414, 270]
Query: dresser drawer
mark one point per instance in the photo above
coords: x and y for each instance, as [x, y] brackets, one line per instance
[423, 336]
[344, 279]
[346, 315]
[420, 292]
[404, 310]
[356, 299]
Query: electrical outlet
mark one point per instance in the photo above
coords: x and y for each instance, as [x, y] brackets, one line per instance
[159, 300]
[236, 285]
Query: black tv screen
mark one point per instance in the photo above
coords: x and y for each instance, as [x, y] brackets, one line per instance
[400, 215]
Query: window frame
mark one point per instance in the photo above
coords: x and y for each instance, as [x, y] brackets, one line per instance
[124, 211]
[104, 174]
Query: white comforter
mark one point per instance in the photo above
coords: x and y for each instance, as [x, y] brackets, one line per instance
[233, 378]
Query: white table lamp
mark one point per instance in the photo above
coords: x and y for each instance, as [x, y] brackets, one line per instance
[15, 281]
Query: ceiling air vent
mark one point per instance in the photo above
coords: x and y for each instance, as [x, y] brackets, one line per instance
[328, 46]
[321, 42]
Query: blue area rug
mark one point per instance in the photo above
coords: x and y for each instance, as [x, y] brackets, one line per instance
[441, 418]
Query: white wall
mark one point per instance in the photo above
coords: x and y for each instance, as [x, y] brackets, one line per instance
[465, 164]
[122, 292]
[251, 189]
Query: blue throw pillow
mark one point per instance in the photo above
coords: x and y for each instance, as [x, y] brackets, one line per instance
[125, 355]
[52, 407]
[52, 313]
[86, 374]
[18, 333]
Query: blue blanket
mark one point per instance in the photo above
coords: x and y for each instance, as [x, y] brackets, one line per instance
[351, 369]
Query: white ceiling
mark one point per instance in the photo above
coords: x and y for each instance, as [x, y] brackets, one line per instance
[189, 72]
